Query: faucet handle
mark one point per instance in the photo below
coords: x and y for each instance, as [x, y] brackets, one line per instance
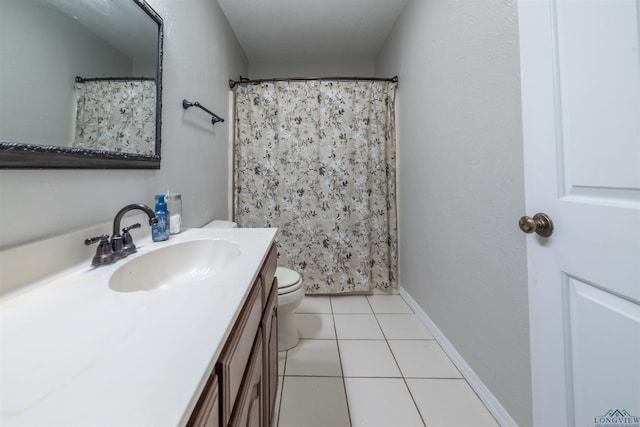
[104, 253]
[91, 240]
[127, 241]
[131, 227]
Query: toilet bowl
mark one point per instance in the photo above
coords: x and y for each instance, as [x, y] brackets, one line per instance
[290, 295]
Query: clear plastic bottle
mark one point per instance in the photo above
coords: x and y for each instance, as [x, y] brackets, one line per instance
[160, 230]
[174, 206]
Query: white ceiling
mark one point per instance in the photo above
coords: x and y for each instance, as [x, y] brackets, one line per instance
[311, 30]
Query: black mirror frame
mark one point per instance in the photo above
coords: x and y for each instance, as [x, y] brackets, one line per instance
[15, 155]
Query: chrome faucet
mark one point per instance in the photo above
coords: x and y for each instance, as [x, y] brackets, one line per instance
[118, 247]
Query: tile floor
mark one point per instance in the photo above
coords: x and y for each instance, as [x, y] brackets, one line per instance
[368, 361]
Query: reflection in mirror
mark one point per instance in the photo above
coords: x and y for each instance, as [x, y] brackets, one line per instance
[115, 114]
[80, 84]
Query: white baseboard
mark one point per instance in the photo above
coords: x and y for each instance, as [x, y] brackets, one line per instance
[493, 405]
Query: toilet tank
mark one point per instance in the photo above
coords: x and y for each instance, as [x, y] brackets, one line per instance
[220, 224]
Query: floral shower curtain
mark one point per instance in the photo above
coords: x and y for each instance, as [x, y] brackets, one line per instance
[317, 160]
[116, 115]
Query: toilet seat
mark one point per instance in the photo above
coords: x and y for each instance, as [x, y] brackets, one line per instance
[288, 280]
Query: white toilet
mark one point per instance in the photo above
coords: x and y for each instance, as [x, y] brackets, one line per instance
[290, 294]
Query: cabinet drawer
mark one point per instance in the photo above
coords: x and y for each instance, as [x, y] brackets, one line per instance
[236, 353]
[267, 273]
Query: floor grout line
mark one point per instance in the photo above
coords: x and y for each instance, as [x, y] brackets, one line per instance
[344, 384]
[340, 359]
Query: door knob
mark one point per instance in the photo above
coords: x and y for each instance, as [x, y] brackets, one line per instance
[540, 223]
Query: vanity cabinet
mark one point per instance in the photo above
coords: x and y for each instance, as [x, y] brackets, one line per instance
[241, 389]
[207, 411]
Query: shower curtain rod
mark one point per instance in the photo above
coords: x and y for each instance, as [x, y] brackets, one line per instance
[112, 79]
[242, 81]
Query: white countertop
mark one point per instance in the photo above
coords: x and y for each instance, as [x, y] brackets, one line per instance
[73, 352]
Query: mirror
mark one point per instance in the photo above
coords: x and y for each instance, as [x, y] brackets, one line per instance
[80, 84]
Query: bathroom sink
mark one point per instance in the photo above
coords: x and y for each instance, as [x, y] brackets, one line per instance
[175, 265]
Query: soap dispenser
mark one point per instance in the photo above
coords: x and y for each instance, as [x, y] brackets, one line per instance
[160, 230]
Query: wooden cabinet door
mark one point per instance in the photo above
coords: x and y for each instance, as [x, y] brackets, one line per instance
[248, 411]
[267, 273]
[270, 365]
[207, 411]
[234, 361]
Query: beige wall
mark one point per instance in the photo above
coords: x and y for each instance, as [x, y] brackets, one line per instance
[200, 54]
[461, 184]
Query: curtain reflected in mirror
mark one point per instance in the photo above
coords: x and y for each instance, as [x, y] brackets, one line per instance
[115, 115]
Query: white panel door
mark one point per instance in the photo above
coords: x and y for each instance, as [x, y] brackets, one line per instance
[580, 64]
